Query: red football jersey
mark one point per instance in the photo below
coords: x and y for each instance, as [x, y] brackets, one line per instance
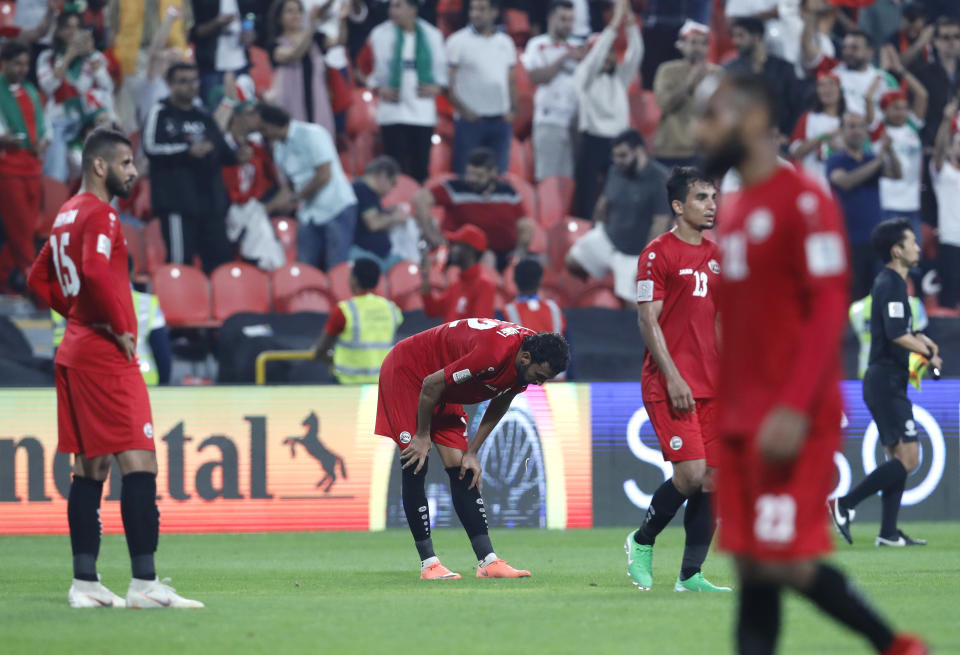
[82, 273]
[476, 354]
[783, 304]
[684, 277]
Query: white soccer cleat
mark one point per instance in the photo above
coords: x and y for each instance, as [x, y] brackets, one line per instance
[85, 594]
[154, 594]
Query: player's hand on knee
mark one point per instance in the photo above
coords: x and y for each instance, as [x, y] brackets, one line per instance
[680, 394]
[781, 435]
[471, 463]
[416, 453]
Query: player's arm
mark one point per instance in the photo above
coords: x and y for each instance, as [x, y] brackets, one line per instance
[44, 285]
[415, 454]
[847, 180]
[496, 410]
[334, 327]
[648, 318]
[97, 247]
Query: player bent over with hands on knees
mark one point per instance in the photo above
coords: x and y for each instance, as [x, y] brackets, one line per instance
[424, 382]
[783, 307]
[676, 292]
[103, 410]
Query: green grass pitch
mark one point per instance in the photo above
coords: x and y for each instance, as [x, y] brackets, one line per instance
[359, 593]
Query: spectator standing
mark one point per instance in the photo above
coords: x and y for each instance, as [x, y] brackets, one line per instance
[529, 309]
[300, 74]
[882, 19]
[817, 132]
[854, 172]
[409, 71]
[74, 77]
[480, 199]
[913, 42]
[780, 19]
[371, 239]
[674, 86]
[604, 108]
[945, 173]
[220, 40]
[159, 58]
[483, 86]
[23, 139]
[550, 60]
[306, 155]
[472, 295]
[187, 150]
[940, 77]
[632, 210]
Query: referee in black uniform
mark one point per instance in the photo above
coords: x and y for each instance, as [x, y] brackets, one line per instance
[885, 383]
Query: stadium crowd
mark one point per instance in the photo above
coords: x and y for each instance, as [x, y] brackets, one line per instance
[299, 135]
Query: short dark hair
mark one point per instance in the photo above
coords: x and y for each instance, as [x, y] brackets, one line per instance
[912, 12]
[682, 179]
[945, 21]
[273, 115]
[382, 165]
[629, 136]
[12, 50]
[413, 3]
[558, 4]
[101, 143]
[755, 90]
[750, 24]
[367, 273]
[494, 4]
[527, 274]
[888, 234]
[863, 35]
[482, 158]
[549, 347]
[178, 66]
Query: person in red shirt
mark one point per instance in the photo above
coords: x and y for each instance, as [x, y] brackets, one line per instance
[474, 292]
[103, 410]
[23, 140]
[424, 383]
[677, 277]
[782, 307]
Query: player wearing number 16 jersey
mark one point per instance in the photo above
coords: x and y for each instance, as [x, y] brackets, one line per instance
[103, 409]
[424, 382]
[677, 297]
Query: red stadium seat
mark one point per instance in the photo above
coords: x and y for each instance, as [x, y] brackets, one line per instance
[294, 278]
[517, 23]
[599, 297]
[339, 278]
[527, 193]
[286, 230]
[523, 121]
[7, 11]
[261, 70]
[362, 113]
[364, 150]
[554, 197]
[154, 247]
[142, 208]
[644, 111]
[239, 287]
[184, 295]
[521, 160]
[135, 246]
[561, 237]
[538, 243]
[441, 158]
[402, 280]
[310, 300]
[403, 192]
[55, 193]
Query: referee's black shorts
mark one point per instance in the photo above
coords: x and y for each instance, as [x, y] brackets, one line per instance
[885, 393]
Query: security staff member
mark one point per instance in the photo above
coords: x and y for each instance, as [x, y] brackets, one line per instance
[885, 383]
[363, 329]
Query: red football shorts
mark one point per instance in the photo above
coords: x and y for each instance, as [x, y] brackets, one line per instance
[397, 399]
[102, 414]
[685, 436]
[775, 512]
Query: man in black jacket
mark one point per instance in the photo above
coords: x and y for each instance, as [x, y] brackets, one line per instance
[186, 150]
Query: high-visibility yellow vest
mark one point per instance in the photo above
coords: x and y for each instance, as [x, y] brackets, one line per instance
[367, 337]
[146, 307]
[860, 320]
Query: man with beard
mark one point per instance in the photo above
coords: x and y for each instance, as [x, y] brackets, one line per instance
[481, 199]
[103, 410]
[782, 309]
[473, 292]
[424, 383]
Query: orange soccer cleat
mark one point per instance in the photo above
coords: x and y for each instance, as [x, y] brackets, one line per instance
[438, 571]
[500, 569]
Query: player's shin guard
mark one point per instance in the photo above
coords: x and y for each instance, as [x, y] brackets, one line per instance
[833, 593]
[663, 506]
[141, 521]
[758, 621]
[414, 491]
[83, 516]
[473, 515]
[698, 523]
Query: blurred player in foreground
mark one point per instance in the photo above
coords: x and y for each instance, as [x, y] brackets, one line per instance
[782, 311]
[103, 410]
[677, 279]
[424, 382]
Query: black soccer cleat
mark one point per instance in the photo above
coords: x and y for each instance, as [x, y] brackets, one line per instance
[841, 518]
[901, 540]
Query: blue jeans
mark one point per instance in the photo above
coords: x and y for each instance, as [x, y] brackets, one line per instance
[494, 133]
[328, 244]
[913, 217]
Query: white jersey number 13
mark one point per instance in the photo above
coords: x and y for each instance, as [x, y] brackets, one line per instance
[700, 284]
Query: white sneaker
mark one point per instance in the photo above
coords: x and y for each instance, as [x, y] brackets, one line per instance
[154, 594]
[85, 593]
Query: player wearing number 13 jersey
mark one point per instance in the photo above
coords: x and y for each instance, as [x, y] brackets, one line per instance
[782, 310]
[103, 410]
[424, 382]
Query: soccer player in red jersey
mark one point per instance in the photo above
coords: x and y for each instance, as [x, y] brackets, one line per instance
[424, 382]
[677, 279]
[782, 308]
[103, 410]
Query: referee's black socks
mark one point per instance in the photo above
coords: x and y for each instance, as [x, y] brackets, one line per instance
[833, 593]
[141, 521]
[888, 478]
[83, 516]
[663, 506]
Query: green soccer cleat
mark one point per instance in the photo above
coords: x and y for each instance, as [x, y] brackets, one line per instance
[639, 563]
[697, 582]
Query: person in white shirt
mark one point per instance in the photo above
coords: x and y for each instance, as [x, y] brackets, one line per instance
[604, 108]
[945, 173]
[307, 157]
[483, 86]
[550, 60]
[817, 132]
[409, 71]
